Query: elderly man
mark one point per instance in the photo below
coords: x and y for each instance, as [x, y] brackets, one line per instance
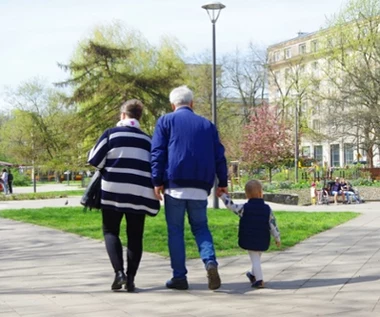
[186, 157]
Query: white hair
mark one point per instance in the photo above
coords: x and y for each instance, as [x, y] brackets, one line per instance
[181, 96]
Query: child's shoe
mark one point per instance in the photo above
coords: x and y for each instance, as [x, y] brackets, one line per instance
[251, 277]
[258, 284]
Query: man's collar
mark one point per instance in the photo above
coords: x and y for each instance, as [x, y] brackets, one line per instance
[183, 108]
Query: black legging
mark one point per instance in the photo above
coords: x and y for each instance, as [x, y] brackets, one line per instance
[134, 229]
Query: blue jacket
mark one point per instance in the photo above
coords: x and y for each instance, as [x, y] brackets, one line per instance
[186, 152]
[254, 228]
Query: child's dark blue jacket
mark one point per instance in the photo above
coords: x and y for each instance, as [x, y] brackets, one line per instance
[254, 228]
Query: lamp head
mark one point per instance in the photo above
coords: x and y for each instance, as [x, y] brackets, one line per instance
[213, 10]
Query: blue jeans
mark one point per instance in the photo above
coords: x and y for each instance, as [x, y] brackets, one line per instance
[175, 217]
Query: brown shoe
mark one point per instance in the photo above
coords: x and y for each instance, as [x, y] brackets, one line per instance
[213, 276]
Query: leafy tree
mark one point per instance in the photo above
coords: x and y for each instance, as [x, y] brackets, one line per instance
[266, 140]
[352, 51]
[41, 130]
[115, 64]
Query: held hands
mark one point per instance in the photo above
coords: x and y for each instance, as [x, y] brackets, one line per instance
[278, 244]
[158, 192]
[221, 190]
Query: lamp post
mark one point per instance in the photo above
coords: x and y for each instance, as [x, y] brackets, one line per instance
[213, 10]
[296, 140]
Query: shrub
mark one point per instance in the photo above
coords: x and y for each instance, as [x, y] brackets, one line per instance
[20, 179]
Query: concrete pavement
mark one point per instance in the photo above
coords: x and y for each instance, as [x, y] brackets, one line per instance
[45, 272]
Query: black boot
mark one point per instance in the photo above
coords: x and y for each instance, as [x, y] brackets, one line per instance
[120, 280]
[130, 286]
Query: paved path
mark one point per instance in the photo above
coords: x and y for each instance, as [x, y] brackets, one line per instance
[44, 272]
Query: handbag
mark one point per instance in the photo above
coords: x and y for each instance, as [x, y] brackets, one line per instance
[92, 195]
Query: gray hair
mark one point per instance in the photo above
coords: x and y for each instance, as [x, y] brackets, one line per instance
[181, 96]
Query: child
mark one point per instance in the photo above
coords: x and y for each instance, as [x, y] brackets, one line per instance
[257, 222]
[313, 194]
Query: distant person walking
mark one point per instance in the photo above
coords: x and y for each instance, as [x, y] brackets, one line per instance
[123, 155]
[186, 157]
[4, 178]
[10, 181]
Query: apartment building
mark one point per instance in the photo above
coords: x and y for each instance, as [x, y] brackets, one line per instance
[293, 64]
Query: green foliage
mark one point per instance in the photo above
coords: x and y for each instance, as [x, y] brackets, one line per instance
[41, 130]
[20, 179]
[294, 227]
[363, 182]
[115, 64]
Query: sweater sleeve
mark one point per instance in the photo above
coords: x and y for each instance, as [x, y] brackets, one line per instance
[97, 155]
[220, 161]
[237, 209]
[159, 153]
[273, 227]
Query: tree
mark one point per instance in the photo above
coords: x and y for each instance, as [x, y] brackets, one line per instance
[41, 130]
[352, 50]
[245, 79]
[267, 141]
[115, 64]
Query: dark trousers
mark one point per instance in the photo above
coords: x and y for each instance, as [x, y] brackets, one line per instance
[10, 187]
[134, 229]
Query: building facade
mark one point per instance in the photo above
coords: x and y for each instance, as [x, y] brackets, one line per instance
[296, 82]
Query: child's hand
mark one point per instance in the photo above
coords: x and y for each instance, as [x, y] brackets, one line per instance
[278, 243]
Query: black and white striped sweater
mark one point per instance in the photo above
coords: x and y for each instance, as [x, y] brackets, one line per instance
[126, 182]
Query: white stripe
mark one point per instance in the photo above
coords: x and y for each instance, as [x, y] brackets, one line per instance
[132, 189]
[129, 153]
[129, 134]
[96, 149]
[129, 205]
[128, 171]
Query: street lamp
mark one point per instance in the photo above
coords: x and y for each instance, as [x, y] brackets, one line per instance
[296, 139]
[213, 10]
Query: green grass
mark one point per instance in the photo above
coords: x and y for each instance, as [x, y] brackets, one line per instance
[42, 195]
[294, 227]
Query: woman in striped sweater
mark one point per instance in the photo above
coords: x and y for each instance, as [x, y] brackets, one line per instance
[123, 155]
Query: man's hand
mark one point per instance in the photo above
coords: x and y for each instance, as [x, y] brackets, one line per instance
[278, 243]
[158, 191]
[221, 190]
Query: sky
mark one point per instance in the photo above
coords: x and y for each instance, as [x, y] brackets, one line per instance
[36, 34]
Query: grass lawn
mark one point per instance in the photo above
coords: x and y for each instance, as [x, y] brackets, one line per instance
[294, 227]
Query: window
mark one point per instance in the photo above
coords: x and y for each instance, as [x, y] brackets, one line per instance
[302, 49]
[348, 154]
[277, 75]
[276, 56]
[288, 53]
[303, 107]
[305, 151]
[316, 125]
[334, 155]
[318, 154]
[315, 68]
[287, 74]
[314, 46]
